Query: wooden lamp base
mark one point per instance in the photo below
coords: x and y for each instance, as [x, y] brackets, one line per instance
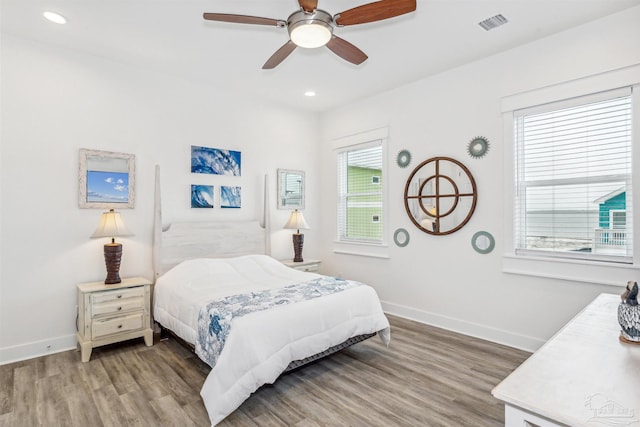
[298, 241]
[112, 257]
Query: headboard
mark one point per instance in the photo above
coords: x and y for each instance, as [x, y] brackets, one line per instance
[180, 241]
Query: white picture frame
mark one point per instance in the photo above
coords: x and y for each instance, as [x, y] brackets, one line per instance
[106, 180]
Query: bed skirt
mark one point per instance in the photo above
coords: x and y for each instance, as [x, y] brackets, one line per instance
[296, 363]
[351, 341]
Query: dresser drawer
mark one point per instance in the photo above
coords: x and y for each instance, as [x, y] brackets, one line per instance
[114, 325]
[117, 306]
[117, 294]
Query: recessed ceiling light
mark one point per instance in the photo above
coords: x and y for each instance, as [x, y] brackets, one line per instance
[55, 17]
[309, 93]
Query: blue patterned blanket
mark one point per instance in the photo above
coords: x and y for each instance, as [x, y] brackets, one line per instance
[214, 320]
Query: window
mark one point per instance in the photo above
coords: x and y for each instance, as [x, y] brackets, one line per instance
[573, 172]
[360, 195]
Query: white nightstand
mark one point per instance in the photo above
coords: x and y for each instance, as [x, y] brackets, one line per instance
[311, 265]
[113, 313]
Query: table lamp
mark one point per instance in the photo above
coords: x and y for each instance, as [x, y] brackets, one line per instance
[296, 222]
[111, 225]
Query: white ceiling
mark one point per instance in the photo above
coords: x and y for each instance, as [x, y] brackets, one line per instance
[170, 36]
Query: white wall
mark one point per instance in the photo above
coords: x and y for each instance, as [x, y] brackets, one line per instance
[56, 101]
[440, 279]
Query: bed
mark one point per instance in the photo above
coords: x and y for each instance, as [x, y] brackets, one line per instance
[247, 315]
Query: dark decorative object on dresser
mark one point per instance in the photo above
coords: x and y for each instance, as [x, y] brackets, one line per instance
[629, 314]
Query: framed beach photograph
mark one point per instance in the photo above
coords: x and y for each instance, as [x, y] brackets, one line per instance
[230, 197]
[215, 161]
[201, 196]
[106, 180]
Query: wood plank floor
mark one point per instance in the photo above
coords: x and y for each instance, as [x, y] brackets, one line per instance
[427, 377]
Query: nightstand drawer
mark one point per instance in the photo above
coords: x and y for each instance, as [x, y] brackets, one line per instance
[101, 328]
[117, 306]
[117, 294]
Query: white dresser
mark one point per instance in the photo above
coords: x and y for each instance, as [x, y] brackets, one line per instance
[583, 376]
[112, 313]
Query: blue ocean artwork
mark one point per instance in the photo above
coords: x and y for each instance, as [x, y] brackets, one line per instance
[201, 196]
[230, 197]
[107, 187]
[215, 161]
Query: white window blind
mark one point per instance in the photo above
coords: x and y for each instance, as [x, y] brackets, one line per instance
[360, 196]
[573, 178]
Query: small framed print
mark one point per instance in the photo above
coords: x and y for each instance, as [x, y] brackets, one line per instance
[230, 197]
[201, 196]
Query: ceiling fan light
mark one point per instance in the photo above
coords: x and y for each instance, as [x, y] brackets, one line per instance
[310, 30]
[310, 35]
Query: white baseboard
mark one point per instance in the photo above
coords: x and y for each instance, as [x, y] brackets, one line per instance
[37, 349]
[68, 342]
[499, 336]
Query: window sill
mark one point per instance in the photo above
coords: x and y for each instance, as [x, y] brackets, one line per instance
[600, 273]
[361, 249]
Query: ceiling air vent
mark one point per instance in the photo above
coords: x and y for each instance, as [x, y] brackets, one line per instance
[493, 22]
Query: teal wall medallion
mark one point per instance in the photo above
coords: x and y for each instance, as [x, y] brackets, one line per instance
[401, 237]
[404, 158]
[478, 147]
[483, 242]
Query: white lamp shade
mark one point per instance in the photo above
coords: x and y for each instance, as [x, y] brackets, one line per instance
[111, 225]
[296, 221]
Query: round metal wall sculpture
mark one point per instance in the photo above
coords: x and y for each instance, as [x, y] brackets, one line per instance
[478, 147]
[401, 237]
[404, 158]
[440, 196]
[483, 242]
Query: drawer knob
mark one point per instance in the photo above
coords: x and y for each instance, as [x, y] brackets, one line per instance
[119, 296]
[119, 308]
[119, 326]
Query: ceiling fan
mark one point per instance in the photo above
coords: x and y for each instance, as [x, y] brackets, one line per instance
[311, 27]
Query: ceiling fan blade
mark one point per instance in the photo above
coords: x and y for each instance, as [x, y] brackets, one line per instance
[280, 55]
[243, 19]
[308, 5]
[346, 50]
[375, 11]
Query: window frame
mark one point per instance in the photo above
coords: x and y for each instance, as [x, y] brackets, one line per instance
[574, 270]
[377, 249]
[522, 184]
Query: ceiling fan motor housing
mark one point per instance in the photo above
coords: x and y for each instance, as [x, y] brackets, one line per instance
[310, 29]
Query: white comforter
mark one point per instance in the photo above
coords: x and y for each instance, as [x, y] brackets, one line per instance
[261, 344]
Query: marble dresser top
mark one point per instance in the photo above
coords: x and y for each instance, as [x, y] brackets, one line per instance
[582, 376]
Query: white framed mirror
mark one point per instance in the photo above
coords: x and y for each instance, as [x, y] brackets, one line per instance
[290, 189]
[106, 180]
